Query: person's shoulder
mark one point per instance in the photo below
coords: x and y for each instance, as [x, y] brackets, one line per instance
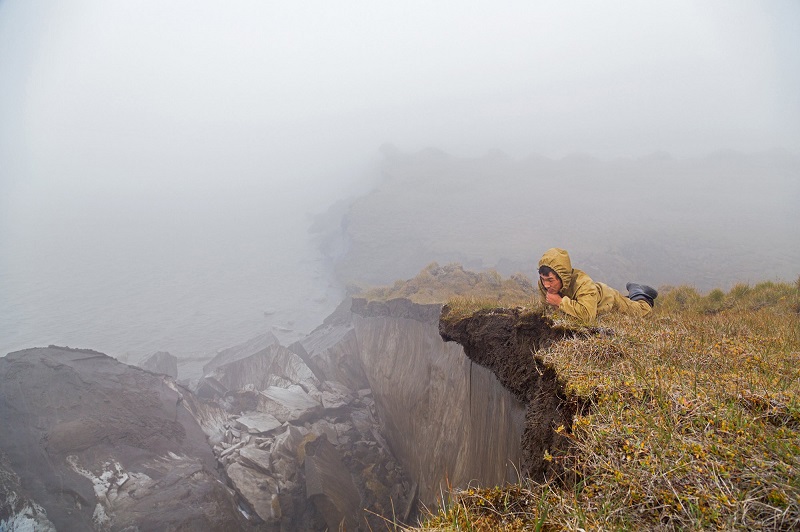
[581, 276]
[581, 281]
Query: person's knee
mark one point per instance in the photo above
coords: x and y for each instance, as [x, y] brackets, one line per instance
[643, 308]
[632, 308]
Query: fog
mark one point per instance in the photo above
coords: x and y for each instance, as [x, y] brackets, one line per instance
[160, 161]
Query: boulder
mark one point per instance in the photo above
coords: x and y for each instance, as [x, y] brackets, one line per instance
[270, 366]
[334, 395]
[332, 401]
[209, 387]
[288, 442]
[330, 486]
[259, 490]
[288, 404]
[258, 422]
[243, 350]
[335, 432]
[332, 350]
[256, 459]
[363, 421]
[161, 362]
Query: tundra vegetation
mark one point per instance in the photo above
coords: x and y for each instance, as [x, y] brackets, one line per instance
[689, 419]
[467, 291]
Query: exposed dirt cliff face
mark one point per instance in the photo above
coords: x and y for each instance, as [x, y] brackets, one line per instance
[505, 341]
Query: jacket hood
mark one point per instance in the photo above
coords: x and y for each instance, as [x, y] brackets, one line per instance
[558, 260]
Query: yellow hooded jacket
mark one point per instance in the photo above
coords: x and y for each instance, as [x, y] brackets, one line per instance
[582, 297]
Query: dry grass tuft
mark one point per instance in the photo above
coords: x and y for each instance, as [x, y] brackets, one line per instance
[693, 422]
[466, 289]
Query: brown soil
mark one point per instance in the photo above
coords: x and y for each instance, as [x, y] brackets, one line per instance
[505, 341]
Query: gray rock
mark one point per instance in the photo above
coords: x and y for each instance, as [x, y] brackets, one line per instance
[120, 444]
[284, 469]
[362, 421]
[258, 422]
[336, 387]
[277, 380]
[330, 486]
[446, 419]
[331, 400]
[212, 418]
[333, 351]
[255, 458]
[17, 510]
[292, 404]
[288, 442]
[259, 490]
[161, 362]
[230, 450]
[259, 371]
[323, 427]
[335, 395]
[209, 387]
[243, 350]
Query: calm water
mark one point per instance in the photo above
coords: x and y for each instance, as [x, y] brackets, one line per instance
[190, 284]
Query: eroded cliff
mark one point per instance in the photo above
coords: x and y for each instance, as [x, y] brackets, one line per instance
[453, 415]
[505, 342]
[376, 409]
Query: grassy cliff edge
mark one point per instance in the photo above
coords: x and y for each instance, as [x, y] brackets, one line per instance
[689, 419]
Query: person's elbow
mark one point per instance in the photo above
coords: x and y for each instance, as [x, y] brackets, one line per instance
[584, 312]
[588, 315]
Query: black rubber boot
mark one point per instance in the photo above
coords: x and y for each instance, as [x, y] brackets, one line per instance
[639, 292]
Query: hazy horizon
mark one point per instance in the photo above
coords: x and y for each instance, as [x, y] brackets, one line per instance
[144, 141]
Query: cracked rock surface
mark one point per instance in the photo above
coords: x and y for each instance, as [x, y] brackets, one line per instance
[99, 445]
[302, 451]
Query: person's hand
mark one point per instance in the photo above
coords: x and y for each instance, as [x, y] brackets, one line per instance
[553, 299]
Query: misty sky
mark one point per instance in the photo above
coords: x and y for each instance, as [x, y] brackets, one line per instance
[181, 92]
[108, 104]
[122, 120]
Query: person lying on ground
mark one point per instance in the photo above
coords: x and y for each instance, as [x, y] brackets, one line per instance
[573, 292]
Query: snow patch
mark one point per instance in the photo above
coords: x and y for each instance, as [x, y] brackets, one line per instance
[106, 486]
[29, 518]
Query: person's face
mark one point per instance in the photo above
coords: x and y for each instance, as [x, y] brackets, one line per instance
[551, 283]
